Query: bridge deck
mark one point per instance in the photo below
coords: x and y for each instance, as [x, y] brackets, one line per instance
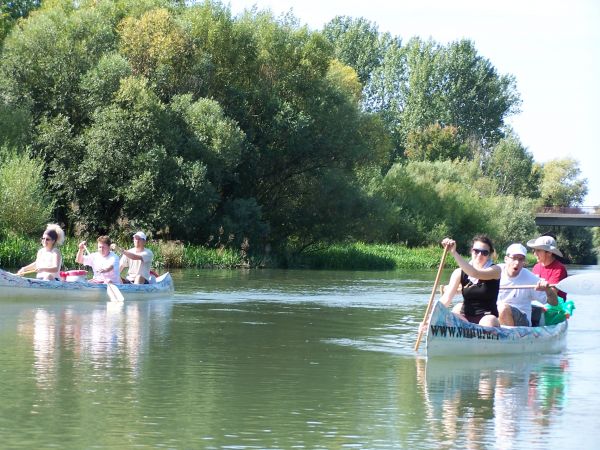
[583, 216]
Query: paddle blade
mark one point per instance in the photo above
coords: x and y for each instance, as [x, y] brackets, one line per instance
[114, 293]
[581, 284]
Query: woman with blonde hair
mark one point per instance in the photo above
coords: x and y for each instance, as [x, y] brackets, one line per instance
[49, 259]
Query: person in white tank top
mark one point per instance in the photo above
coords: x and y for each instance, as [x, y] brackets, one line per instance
[48, 261]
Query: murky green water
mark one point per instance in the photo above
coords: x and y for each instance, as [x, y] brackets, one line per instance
[280, 359]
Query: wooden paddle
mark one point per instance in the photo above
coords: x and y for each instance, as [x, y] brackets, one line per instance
[114, 293]
[580, 284]
[27, 272]
[428, 310]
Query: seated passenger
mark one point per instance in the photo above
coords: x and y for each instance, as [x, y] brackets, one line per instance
[514, 305]
[480, 280]
[138, 259]
[49, 259]
[548, 266]
[104, 263]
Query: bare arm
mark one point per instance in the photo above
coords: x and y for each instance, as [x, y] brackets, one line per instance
[489, 273]
[130, 255]
[28, 268]
[551, 296]
[452, 288]
[79, 256]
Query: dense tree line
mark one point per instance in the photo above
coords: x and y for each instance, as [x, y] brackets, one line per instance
[184, 120]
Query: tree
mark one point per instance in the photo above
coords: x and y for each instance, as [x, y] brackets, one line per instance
[11, 11]
[25, 204]
[157, 48]
[46, 56]
[424, 83]
[357, 43]
[561, 185]
[512, 168]
[436, 143]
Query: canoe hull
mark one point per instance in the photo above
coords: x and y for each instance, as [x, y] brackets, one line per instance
[449, 336]
[14, 286]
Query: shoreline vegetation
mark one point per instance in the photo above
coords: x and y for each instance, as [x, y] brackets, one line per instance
[18, 251]
[239, 132]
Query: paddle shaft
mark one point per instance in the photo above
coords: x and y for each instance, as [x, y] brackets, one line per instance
[428, 310]
[525, 286]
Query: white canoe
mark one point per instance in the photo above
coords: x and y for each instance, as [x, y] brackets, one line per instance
[448, 335]
[16, 286]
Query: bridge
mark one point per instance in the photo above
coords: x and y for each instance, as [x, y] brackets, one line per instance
[577, 216]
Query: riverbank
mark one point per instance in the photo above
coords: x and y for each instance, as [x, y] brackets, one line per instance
[18, 251]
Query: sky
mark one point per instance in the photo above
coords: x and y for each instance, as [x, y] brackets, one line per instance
[551, 47]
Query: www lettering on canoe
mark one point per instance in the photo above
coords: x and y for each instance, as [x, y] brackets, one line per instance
[462, 333]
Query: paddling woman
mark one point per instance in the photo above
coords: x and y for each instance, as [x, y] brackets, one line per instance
[49, 259]
[480, 282]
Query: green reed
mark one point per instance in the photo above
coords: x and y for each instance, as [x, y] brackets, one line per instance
[355, 256]
[18, 251]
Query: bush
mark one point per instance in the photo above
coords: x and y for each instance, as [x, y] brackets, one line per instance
[25, 205]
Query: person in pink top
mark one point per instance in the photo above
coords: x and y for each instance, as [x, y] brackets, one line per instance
[548, 266]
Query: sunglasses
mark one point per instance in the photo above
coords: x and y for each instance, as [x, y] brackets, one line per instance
[46, 239]
[477, 251]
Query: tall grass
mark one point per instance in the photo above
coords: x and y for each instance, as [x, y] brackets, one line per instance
[369, 257]
[19, 251]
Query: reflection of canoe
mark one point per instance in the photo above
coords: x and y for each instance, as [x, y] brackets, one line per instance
[16, 286]
[449, 335]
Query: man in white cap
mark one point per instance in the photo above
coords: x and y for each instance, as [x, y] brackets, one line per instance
[138, 259]
[514, 305]
[548, 267]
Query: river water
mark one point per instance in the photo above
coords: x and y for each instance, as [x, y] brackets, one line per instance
[273, 359]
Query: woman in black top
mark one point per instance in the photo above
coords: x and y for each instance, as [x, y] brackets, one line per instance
[480, 281]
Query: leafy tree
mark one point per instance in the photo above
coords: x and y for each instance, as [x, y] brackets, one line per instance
[46, 56]
[512, 168]
[512, 218]
[357, 43]
[99, 85]
[11, 11]
[157, 48]
[453, 207]
[436, 143]
[15, 124]
[25, 204]
[561, 185]
[424, 83]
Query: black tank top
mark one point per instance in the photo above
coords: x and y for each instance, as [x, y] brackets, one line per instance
[479, 298]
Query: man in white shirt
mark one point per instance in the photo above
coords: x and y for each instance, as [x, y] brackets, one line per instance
[138, 259]
[514, 305]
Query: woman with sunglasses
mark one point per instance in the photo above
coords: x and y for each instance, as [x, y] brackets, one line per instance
[480, 282]
[49, 259]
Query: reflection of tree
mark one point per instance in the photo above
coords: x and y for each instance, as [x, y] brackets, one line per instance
[478, 403]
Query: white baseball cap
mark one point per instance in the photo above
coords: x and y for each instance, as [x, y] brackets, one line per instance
[140, 234]
[516, 249]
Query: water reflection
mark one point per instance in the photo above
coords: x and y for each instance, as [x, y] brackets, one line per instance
[502, 401]
[111, 335]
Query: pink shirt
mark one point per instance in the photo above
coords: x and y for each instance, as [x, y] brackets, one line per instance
[552, 273]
